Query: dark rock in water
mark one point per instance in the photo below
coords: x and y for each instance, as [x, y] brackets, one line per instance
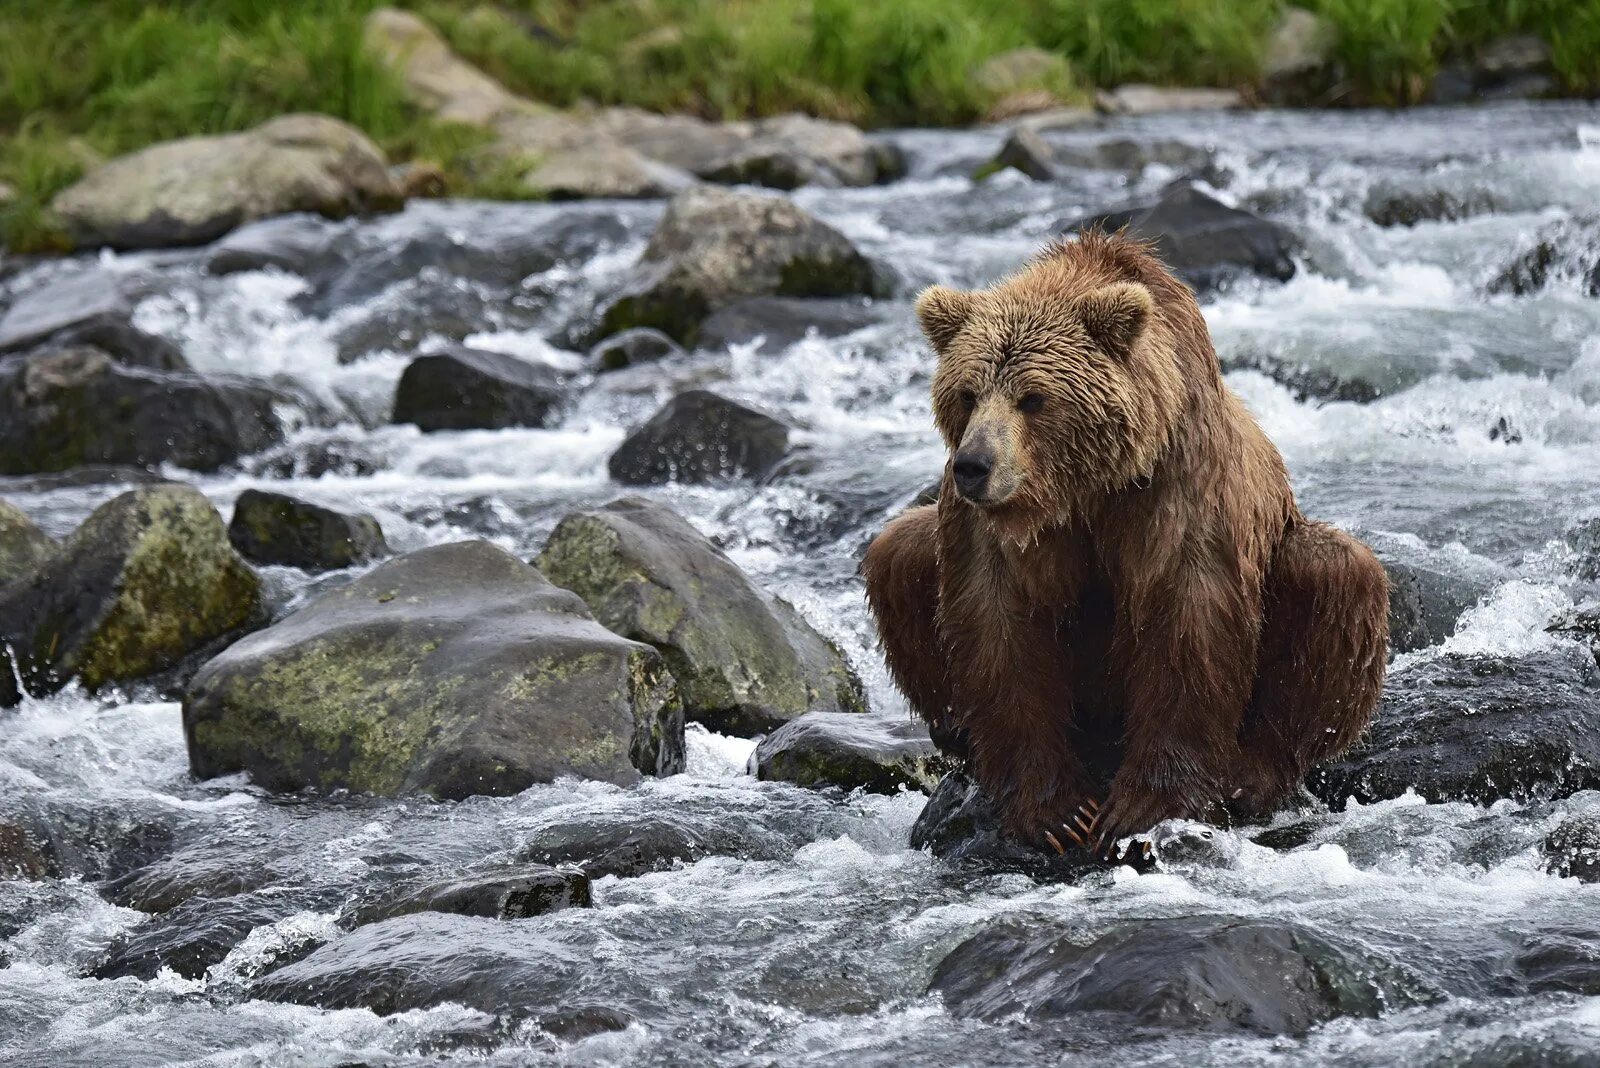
[636, 847]
[1024, 150]
[852, 752]
[1203, 240]
[24, 548]
[426, 314]
[1572, 850]
[716, 246]
[745, 661]
[87, 475]
[697, 437]
[781, 321]
[514, 895]
[148, 580]
[274, 528]
[1215, 973]
[1567, 250]
[631, 348]
[1394, 205]
[336, 454]
[1306, 383]
[23, 858]
[93, 299]
[1425, 604]
[78, 406]
[470, 389]
[1565, 959]
[584, 1022]
[961, 824]
[1581, 624]
[455, 670]
[1477, 729]
[298, 244]
[190, 939]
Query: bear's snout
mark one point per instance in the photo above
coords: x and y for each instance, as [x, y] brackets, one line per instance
[971, 469]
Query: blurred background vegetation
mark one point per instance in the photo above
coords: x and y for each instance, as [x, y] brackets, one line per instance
[84, 79]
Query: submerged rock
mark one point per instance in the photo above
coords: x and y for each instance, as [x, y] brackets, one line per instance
[88, 309]
[471, 389]
[631, 348]
[1214, 972]
[24, 548]
[190, 939]
[299, 244]
[778, 322]
[960, 824]
[716, 246]
[455, 670]
[514, 895]
[1568, 250]
[851, 752]
[745, 661]
[697, 437]
[191, 191]
[23, 858]
[148, 580]
[1572, 850]
[1425, 604]
[1477, 729]
[274, 528]
[78, 406]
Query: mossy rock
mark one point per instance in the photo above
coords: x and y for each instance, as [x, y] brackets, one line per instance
[745, 661]
[822, 749]
[453, 671]
[717, 246]
[274, 528]
[24, 548]
[148, 580]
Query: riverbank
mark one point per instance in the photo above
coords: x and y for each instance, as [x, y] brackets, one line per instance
[82, 82]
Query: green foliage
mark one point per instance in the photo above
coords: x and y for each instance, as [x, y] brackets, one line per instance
[1390, 47]
[1195, 42]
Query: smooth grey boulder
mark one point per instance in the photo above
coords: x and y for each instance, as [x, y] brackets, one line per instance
[852, 752]
[717, 246]
[1024, 150]
[454, 670]
[698, 437]
[77, 406]
[24, 548]
[532, 890]
[745, 661]
[274, 528]
[461, 388]
[148, 580]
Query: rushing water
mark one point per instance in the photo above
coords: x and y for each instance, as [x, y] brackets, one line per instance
[811, 935]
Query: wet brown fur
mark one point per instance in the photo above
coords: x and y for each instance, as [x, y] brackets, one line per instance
[1146, 618]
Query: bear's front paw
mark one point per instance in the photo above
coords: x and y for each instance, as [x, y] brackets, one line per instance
[1077, 828]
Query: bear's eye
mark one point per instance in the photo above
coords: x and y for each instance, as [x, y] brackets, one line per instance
[969, 400]
[1031, 403]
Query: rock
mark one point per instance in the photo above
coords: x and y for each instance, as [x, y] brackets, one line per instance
[420, 180]
[1023, 103]
[715, 246]
[627, 848]
[1477, 729]
[778, 322]
[1572, 850]
[1137, 99]
[1517, 67]
[194, 190]
[1425, 604]
[788, 151]
[454, 670]
[1063, 118]
[343, 455]
[8, 194]
[1024, 150]
[274, 528]
[631, 348]
[1584, 538]
[298, 244]
[434, 77]
[1298, 69]
[1568, 250]
[24, 548]
[961, 825]
[700, 437]
[1210, 973]
[1132, 156]
[147, 580]
[517, 895]
[1562, 958]
[1022, 68]
[1305, 382]
[745, 661]
[460, 388]
[602, 170]
[77, 406]
[1392, 204]
[1203, 240]
[23, 858]
[851, 752]
[123, 342]
[85, 309]
[190, 939]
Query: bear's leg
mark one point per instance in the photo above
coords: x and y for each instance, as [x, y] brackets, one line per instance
[1323, 651]
[902, 574]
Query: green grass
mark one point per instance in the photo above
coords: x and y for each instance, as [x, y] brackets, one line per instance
[84, 79]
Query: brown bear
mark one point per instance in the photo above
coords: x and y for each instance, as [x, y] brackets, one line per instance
[1116, 611]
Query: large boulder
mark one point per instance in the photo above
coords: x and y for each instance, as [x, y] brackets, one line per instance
[1211, 973]
[852, 752]
[455, 670]
[90, 308]
[745, 661]
[716, 246]
[274, 528]
[194, 190]
[77, 406]
[1478, 729]
[462, 388]
[699, 436]
[788, 151]
[24, 548]
[148, 580]
[1426, 603]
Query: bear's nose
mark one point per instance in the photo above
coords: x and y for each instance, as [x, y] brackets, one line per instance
[971, 469]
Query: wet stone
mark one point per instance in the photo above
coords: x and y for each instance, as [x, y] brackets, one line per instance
[851, 752]
[274, 528]
[470, 389]
[778, 322]
[514, 895]
[1572, 850]
[24, 548]
[190, 939]
[699, 437]
[631, 348]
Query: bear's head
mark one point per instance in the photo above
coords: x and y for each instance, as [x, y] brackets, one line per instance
[1055, 385]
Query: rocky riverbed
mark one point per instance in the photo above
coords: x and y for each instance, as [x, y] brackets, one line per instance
[436, 635]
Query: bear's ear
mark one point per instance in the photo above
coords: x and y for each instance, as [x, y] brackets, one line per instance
[942, 311]
[1116, 315]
